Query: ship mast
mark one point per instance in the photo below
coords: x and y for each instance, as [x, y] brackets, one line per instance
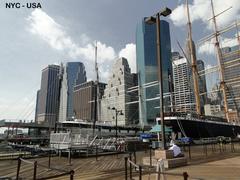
[238, 36]
[220, 63]
[96, 103]
[194, 63]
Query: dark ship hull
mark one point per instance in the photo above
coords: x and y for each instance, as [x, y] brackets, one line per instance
[201, 128]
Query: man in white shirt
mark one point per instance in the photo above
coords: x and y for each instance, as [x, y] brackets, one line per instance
[176, 150]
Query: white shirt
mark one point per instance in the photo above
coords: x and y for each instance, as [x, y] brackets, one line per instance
[176, 150]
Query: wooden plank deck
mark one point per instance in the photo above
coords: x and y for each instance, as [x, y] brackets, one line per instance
[106, 167]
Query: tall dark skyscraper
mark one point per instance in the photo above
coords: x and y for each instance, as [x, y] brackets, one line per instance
[202, 84]
[84, 100]
[147, 68]
[73, 74]
[48, 97]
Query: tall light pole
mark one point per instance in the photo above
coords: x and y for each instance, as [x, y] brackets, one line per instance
[117, 112]
[152, 20]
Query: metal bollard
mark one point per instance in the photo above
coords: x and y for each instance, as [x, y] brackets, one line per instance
[150, 151]
[206, 153]
[96, 153]
[189, 151]
[35, 171]
[71, 174]
[126, 169]
[140, 172]
[135, 157]
[49, 159]
[69, 157]
[130, 167]
[18, 168]
[185, 175]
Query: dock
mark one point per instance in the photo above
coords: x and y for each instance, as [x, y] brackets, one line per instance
[205, 163]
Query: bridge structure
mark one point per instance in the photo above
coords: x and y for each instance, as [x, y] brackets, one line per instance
[35, 132]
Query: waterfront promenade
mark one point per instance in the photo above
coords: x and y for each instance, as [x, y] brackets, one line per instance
[213, 165]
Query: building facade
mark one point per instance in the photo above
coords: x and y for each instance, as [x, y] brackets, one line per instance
[183, 88]
[117, 95]
[48, 97]
[183, 84]
[73, 74]
[231, 60]
[84, 98]
[147, 70]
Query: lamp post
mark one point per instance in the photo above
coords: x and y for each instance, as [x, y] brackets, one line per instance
[152, 20]
[117, 112]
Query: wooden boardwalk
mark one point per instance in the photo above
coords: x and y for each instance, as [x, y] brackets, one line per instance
[106, 167]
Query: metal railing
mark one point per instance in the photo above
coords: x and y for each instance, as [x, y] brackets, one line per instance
[138, 169]
[36, 164]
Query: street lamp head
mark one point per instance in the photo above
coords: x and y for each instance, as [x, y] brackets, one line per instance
[113, 108]
[121, 113]
[165, 12]
[150, 20]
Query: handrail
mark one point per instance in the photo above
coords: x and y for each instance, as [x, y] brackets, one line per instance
[71, 172]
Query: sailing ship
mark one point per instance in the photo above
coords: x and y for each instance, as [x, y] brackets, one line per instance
[196, 125]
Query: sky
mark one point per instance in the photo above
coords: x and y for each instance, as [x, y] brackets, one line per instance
[66, 30]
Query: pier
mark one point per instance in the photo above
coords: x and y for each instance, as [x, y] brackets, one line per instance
[204, 161]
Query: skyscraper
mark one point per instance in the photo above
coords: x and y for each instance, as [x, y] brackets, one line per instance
[48, 98]
[147, 69]
[182, 82]
[231, 60]
[202, 84]
[73, 74]
[116, 95]
[84, 97]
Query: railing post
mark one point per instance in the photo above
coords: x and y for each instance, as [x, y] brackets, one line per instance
[69, 157]
[140, 172]
[130, 167]
[232, 146]
[220, 148]
[189, 150]
[150, 152]
[135, 157]
[206, 150]
[71, 174]
[126, 169]
[49, 159]
[18, 167]
[35, 171]
[96, 152]
[185, 175]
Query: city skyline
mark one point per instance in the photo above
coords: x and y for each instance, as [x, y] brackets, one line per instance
[52, 34]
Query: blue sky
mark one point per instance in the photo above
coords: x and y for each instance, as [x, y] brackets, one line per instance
[65, 30]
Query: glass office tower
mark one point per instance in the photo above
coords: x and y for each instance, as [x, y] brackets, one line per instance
[73, 74]
[147, 69]
[47, 97]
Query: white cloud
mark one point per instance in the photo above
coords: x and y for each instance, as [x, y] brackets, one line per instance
[209, 48]
[129, 52]
[228, 42]
[51, 32]
[45, 27]
[201, 10]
